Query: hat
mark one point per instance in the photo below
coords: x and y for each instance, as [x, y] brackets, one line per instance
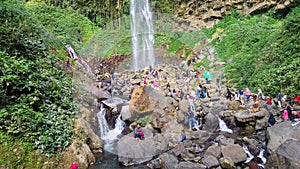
[74, 166]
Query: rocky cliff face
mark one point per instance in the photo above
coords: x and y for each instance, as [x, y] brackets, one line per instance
[206, 13]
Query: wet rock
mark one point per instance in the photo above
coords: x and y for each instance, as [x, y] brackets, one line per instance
[190, 165]
[168, 161]
[210, 161]
[234, 152]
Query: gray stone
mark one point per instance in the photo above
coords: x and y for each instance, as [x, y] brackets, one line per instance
[246, 116]
[211, 122]
[200, 136]
[234, 152]
[190, 165]
[130, 151]
[221, 139]
[281, 132]
[125, 113]
[168, 161]
[214, 150]
[210, 161]
[287, 155]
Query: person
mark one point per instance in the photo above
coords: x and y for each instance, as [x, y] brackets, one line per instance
[191, 102]
[138, 133]
[248, 94]
[255, 105]
[192, 120]
[242, 98]
[285, 115]
[228, 94]
[73, 166]
[113, 76]
[155, 84]
[145, 81]
[260, 95]
[279, 97]
[291, 115]
[68, 64]
[269, 101]
[237, 97]
[271, 120]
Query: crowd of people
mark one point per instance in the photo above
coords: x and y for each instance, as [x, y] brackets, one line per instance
[243, 97]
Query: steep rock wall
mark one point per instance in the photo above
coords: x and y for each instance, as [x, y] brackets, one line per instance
[206, 13]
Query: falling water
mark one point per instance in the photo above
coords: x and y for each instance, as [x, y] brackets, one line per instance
[223, 127]
[142, 34]
[109, 136]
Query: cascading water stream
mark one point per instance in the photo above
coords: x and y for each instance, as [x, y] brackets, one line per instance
[109, 136]
[142, 34]
[223, 127]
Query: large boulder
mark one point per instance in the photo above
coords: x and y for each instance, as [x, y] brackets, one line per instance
[132, 151]
[287, 155]
[211, 122]
[140, 101]
[281, 132]
[93, 140]
[246, 116]
[234, 152]
[168, 161]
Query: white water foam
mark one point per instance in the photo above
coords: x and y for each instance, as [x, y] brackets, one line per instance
[110, 137]
[223, 127]
[250, 156]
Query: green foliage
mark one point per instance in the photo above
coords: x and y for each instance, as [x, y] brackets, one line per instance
[264, 52]
[36, 105]
[67, 25]
[144, 120]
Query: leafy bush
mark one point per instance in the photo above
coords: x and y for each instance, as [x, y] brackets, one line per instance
[67, 25]
[264, 52]
[144, 120]
[36, 94]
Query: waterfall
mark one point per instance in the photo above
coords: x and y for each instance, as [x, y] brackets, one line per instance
[103, 126]
[250, 156]
[142, 34]
[109, 136]
[223, 126]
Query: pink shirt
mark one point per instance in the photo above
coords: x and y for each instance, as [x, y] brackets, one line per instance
[248, 92]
